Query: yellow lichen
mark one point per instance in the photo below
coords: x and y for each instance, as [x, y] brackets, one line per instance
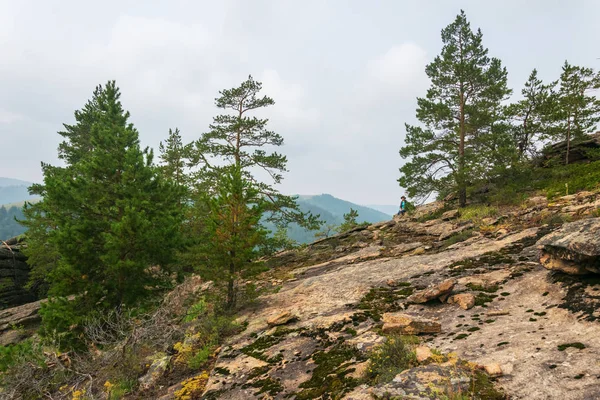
[78, 394]
[192, 386]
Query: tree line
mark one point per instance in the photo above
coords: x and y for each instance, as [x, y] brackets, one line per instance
[114, 226]
[469, 134]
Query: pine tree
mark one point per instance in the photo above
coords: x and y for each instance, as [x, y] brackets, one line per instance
[173, 157]
[228, 232]
[577, 111]
[238, 139]
[226, 159]
[458, 115]
[108, 215]
[349, 221]
[532, 114]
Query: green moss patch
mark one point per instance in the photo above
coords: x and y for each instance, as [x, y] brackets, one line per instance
[384, 299]
[577, 345]
[330, 377]
[482, 298]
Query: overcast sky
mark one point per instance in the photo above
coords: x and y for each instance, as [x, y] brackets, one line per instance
[344, 74]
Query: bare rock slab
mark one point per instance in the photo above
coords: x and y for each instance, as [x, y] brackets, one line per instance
[406, 324]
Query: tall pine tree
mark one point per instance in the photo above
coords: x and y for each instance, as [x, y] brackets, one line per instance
[458, 116]
[227, 159]
[110, 216]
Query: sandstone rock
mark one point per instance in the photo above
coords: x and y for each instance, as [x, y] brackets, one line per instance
[281, 319]
[433, 292]
[581, 208]
[455, 230]
[25, 316]
[14, 275]
[155, 372]
[423, 353]
[367, 341]
[502, 232]
[490, 221]
[406, 324]
[497, 313]
[493, 370]
[427, 209]
[486, 281]
[425, 382]
[452, 214]
[572, 249]
[537, 202]
[465, 301]
[405, 247]
[360, 370]
[418, 251]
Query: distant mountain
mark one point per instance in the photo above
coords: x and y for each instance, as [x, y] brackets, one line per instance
[331, 211]
[385, 208]
[13, 182]
[338, 208]
[14, 191]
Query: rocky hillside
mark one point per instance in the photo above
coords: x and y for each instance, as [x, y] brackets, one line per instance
[479, 303]
[491, 321]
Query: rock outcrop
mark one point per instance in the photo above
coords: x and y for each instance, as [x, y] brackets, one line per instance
[579, 151]
[14, 274]
[573, 249]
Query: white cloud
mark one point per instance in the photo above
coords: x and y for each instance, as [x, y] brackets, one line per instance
[402, 67]
[290, 101]
[8, 117]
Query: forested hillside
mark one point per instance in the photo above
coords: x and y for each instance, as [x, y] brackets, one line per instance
[331, 211]
[9, 227]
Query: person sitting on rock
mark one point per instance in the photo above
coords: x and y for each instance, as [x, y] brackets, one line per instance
[402, 206]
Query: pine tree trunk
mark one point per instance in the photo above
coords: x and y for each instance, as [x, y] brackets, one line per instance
[568, 142]
[231, 295]
[462, 187]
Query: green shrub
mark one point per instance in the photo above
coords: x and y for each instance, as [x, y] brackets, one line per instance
[62, 324]
[577, 176]
[201, 356]
[476, 213]
[391, 358]
[26, 350]
[195, 311]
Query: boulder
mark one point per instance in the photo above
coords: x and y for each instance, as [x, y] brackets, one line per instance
[406, 324]
[426, 209]
[449, 215]
[573, 249]
[493, 370]
[433, 292]
[465, 301]
[282, 318]
[423, 353]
